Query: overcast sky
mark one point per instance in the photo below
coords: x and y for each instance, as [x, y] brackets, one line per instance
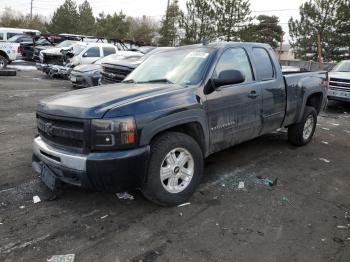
[284, 9]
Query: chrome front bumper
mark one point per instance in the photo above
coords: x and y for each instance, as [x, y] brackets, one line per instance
[59, 158]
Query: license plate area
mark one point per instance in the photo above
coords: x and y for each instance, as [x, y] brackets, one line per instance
[49, 178]
[340, 94]
[73, 79]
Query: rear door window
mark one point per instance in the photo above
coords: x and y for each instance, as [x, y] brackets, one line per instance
[108, 51]
[263, 64]
[1, 36]
[92, 52]
[9, 35]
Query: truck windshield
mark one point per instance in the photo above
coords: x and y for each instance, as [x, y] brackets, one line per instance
[184, 67]
[66, 43]
[77, 49]
[342, 67]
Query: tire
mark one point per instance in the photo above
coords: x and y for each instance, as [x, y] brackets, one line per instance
[180, 186]
[3, 62]
[296, 134]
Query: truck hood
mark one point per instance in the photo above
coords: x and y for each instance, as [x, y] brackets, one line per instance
[341, 75]
[95, 102]
[87, 68]
[54, 51]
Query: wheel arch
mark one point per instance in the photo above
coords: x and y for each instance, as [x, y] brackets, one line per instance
[3, 54]
[192, 123]
[315, 100]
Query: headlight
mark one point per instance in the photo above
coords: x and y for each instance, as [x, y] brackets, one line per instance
[113, 134]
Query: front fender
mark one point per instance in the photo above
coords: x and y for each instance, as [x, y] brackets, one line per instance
[164, 123]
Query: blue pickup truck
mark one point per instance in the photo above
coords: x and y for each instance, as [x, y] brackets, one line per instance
[154, 130]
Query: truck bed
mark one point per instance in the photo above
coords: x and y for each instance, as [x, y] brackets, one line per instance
[297, 85]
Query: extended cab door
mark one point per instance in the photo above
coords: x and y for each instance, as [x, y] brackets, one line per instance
[234, 111]
[91, 55]
[272, 85]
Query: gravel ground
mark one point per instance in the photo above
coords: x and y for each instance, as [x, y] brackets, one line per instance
[306, 217]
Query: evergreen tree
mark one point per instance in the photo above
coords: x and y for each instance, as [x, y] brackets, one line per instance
[230, 16]
[112, 26]
[169, 31]
[198, 23]
[86, 19]
[343, 28]
[65, 19]
[142, 29]
[316, 16]
[266, 31]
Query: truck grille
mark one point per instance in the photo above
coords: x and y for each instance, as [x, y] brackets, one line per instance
[339, 84]
[114, 74]
[63, 132]
[53, 59]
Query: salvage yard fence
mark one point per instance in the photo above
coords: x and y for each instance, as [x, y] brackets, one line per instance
[308, 65]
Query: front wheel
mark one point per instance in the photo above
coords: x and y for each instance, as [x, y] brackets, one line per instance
[301, 134]
[175, 169]
[3, 62]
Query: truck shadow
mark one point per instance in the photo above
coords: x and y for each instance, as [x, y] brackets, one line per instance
[338, 107]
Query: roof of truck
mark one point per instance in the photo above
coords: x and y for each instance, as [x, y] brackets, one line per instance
[224, 44]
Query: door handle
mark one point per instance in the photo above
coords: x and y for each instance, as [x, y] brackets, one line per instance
[253, 95]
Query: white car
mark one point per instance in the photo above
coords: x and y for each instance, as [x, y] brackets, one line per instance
[60, 61]
[339, 82]
[92, 52]
[6, 32]
[8, 53]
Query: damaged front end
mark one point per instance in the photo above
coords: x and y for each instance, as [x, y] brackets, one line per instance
[56, 64]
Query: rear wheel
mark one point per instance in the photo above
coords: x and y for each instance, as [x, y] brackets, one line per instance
[301, 134]
[3, 62]
[175, 169]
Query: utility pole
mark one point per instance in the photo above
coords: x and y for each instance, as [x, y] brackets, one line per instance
[167, 9]
[31, 9]
[319, 50]
[281, 47]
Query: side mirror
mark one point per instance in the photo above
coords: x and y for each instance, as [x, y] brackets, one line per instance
[229, 77]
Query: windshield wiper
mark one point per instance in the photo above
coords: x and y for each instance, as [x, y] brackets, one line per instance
[163, 80]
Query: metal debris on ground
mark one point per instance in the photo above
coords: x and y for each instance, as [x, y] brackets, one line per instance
[342, 227]
[324, 142]
[36, 199]
[285, 199]
[22, 207]
[105, 216]
[62, 258]
[325, 160]
[241, 185]
[347, 131]
[266, 181]
[184, 204]
[333, 124]
[125, 196]
[326, 129]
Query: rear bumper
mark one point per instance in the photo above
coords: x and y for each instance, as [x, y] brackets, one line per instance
[107, 171]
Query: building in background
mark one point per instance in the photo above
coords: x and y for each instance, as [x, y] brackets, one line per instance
[287, 52]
